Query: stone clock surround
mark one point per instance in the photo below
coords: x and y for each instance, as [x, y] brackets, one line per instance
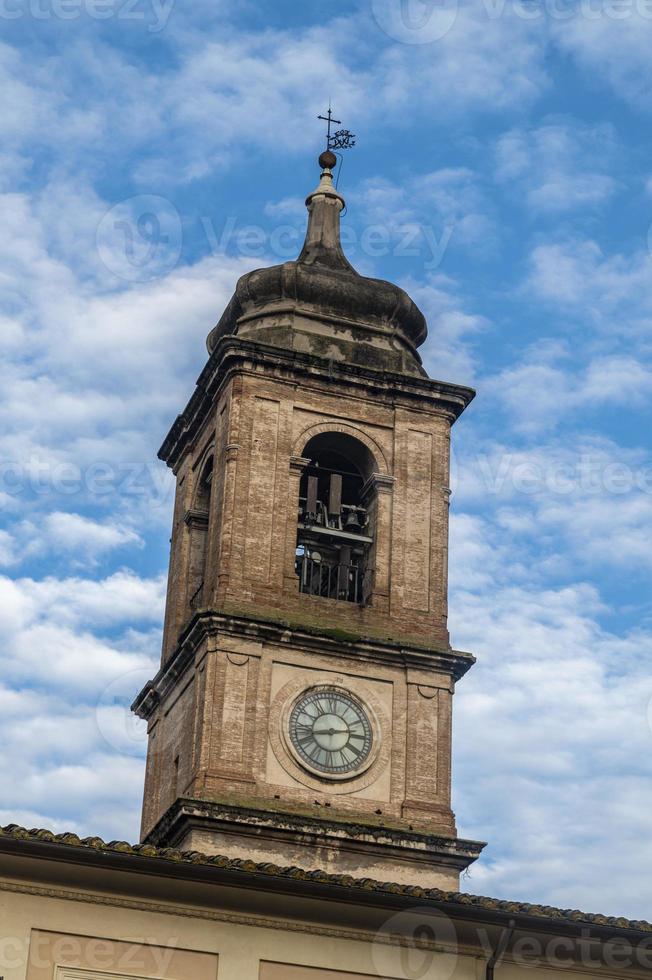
[279, 736]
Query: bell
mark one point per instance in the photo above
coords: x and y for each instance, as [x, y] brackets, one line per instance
[352, 522]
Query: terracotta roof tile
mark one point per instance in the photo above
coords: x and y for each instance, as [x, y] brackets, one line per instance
[542, 912]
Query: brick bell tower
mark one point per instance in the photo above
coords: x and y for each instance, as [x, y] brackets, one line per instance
[302, 711]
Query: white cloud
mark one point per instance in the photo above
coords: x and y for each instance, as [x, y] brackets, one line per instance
[72, 532]
[72, 777]
[553, 747]
[48, 653]
[197, 108]
[461, 71]
[569, 507]
[541, 391]
[480, 555]
[78, 634]
[562, 165]
[7, 548]
[120, 598]
[444, 208]
[448, 351]
[78, 424]
[612, 49]
[71, 662]
[598, 354]
[288, 207]
[613, 292]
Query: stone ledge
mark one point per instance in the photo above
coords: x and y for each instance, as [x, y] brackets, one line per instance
[234, 355]
[339, 843]
[338, 642]
[296, 819]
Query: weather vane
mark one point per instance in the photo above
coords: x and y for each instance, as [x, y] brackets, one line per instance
[343, 139]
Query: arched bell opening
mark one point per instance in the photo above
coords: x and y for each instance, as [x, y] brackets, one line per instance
[198, 521]
[334, 529]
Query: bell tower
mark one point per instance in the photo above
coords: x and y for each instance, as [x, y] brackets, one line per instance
[302, 711]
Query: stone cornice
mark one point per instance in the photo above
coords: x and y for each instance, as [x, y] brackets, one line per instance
[299, 463]
[233, 355]
[322, 641]
[196, 518]
[378, 483]
[372, 834]
[254, 919]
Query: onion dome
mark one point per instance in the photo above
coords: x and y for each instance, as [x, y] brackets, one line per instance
[319, 304]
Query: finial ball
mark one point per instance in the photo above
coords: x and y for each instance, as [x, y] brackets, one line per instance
[327, 160]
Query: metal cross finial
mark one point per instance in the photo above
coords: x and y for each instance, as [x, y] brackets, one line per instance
[343, 139]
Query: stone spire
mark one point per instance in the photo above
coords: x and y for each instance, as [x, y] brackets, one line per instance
[318, 304]
[325, 205]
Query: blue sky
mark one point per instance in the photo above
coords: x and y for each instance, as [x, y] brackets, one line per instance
[152, 152]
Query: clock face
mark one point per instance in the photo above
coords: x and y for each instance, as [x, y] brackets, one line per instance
[330, 731]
